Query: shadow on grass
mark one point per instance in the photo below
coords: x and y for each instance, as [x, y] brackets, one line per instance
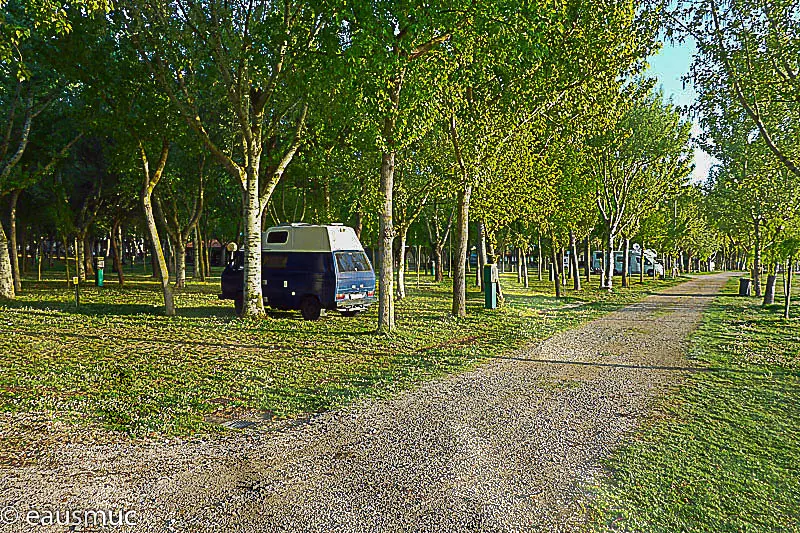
[693, 369]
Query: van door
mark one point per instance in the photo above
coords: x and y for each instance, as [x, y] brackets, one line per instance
[274, 278]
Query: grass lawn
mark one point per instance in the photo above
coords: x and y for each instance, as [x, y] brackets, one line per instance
[725, 455]
[118, 368]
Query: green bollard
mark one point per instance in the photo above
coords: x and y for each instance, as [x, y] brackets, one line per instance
[77, 282]
[490, 281]
[98, 276]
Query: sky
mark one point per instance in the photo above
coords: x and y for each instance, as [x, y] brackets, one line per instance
[669, 66]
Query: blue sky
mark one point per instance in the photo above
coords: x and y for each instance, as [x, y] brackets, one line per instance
[669, 66]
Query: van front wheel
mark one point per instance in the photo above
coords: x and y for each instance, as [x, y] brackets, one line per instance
[238, 304]
[310, 308]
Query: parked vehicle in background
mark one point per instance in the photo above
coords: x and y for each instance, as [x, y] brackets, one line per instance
[651, 263]
[308, 268]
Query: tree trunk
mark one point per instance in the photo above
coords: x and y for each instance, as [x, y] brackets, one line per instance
[462, 252]
[757, 259]
[153, 261]
[253, 301]
[587, 263]
[386, 322]
[539, 259]
[6, 275]
[641, 264]
[116, 245]
[12, 245]
[769, 293]
[626, 261]
[609, 263]
[180, 267]
[88, 265]
[79, 265]
[401, 265]
[66, 259]
[525, 268]
[787, 297]
[555, 271]
[573, 250]
[438, 267]
[158, 254]
[481, 252]
[199, 255]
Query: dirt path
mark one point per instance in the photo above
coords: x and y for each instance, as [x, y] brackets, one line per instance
[505, 447]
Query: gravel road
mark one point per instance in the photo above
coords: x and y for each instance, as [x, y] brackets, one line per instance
[506, 447]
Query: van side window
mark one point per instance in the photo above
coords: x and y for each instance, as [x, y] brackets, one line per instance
[277, 237]
[274, 260]
[352, 262]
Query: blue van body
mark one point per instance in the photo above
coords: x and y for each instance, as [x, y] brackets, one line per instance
[307, 280]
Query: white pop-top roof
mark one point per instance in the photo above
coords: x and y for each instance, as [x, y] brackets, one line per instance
[299, 237]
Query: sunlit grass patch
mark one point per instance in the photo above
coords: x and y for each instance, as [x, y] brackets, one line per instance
[724, 455]
[117, 363]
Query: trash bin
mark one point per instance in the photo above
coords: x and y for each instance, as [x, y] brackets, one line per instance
[745, 286]
[491, 279]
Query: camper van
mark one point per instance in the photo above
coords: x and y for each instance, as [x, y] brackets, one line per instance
[308, 268]
[651, 265]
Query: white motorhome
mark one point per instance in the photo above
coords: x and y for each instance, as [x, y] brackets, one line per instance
[651, 263]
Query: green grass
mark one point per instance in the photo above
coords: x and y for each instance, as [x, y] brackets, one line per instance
[118, 366]
[725, 454]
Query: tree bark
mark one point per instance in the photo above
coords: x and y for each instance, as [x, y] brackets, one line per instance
[539, 259]
[525, 268]
[180, 266]
[462, 250]
[481, 253]
[116, 245]
[641, 264]
[386, 322]
[6, 275]
[149, 183]
[79, 264]
[609, 263]
[626, 262]
[158, 255]
[587, 264]
[555, 271]
[576, 276]
[199, 259]
[769, 293]
[438, 268]
[787, 297]
[88, 265]
[253, 302]
[12, 245]
[757, 258]
[66, 259]
[401, 264]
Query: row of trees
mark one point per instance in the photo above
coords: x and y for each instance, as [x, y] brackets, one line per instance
[488, 123]
[746, 72]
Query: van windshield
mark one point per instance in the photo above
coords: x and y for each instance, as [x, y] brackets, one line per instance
[352, 262]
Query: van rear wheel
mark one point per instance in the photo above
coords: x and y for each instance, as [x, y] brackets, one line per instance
[238, 304]
[310, 308]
